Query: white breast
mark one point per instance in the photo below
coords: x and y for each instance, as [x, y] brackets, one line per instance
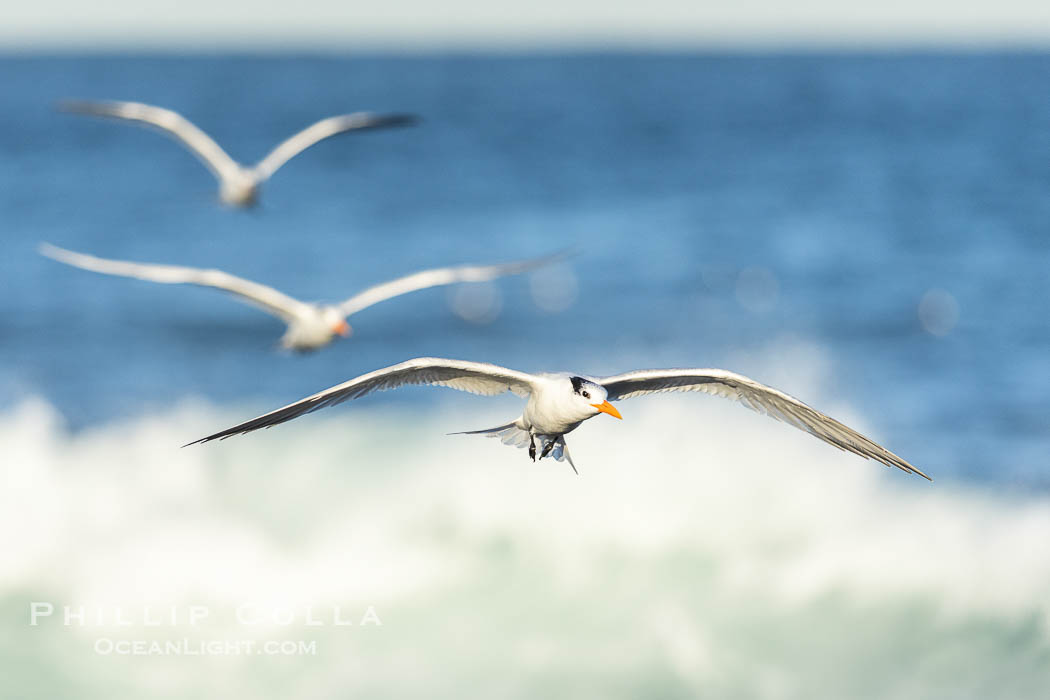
[552, 408]
[307, 333]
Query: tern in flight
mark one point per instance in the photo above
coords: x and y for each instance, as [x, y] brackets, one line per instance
[310, 325]
[558, 403]
[238, 184]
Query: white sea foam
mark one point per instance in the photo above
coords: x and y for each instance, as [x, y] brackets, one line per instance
[702, 550]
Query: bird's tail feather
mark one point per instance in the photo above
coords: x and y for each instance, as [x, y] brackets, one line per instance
[561, 452]
[516, 436]
[509, 434]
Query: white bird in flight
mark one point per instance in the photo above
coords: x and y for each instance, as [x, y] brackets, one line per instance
[310, 325]
[238, 184]
[558, 403]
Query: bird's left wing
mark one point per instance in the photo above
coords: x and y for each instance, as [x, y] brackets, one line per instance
[757, 397]
[438, 277]
[474, 377]
[321, 130]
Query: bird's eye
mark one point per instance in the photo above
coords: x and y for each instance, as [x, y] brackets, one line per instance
[586, 395]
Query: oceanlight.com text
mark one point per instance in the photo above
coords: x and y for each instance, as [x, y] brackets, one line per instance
[105, 646]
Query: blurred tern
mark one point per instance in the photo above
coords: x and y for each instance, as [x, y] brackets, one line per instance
[238, 184]
[558, 403]
[310, 326]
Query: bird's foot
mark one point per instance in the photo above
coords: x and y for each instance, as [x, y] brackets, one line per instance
[532, 447]
[547, 448]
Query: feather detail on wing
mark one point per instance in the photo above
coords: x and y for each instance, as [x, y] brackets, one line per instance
[758, 397]
[473, 377]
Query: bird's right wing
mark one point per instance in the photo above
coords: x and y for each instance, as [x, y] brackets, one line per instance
[439, 277]
[266, 298]
[474, 377]
[758, 397]
[171, 123]
[319, 131]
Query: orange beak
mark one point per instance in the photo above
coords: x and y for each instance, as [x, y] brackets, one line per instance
[342, 328]
[606, 407]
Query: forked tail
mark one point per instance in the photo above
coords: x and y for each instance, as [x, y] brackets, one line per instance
[514, 435]
[509, 434]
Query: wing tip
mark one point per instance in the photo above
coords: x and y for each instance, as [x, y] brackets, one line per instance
[217, 436]
[47, 249]
[355, 121]
[916, 470]
[202, 440]
[58, 253]
[556, 256]
[400, 119]
[80, 106]
[70, 105]
[896, 462]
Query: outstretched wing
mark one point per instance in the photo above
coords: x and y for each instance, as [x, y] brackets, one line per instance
[171, 123]
[266, 298]
[757, 397]
[321, 130]
[475, 377]
[438, 277]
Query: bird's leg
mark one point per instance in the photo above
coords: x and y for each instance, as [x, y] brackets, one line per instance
[547, 448]
[532, 447]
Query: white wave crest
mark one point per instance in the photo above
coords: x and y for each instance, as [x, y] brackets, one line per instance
[700, 551]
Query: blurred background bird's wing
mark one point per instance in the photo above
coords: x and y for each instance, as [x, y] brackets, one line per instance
[473, 377]
[323, 129]
[438, 277]
[259, 295]
[757, 397]
[171, 123]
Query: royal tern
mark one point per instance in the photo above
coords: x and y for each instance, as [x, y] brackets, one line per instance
[558, 403]
[238, 184]
[310, 325]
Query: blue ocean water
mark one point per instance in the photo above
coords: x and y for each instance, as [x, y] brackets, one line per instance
[868, 232]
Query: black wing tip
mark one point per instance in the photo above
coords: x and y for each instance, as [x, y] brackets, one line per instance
[403, 119]
[915, 470]
[394, 119]
[232, 432]
[79, 106]
[198, 442]
[217, 436]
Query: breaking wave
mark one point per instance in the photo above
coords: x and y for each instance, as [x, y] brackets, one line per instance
[700, 552]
